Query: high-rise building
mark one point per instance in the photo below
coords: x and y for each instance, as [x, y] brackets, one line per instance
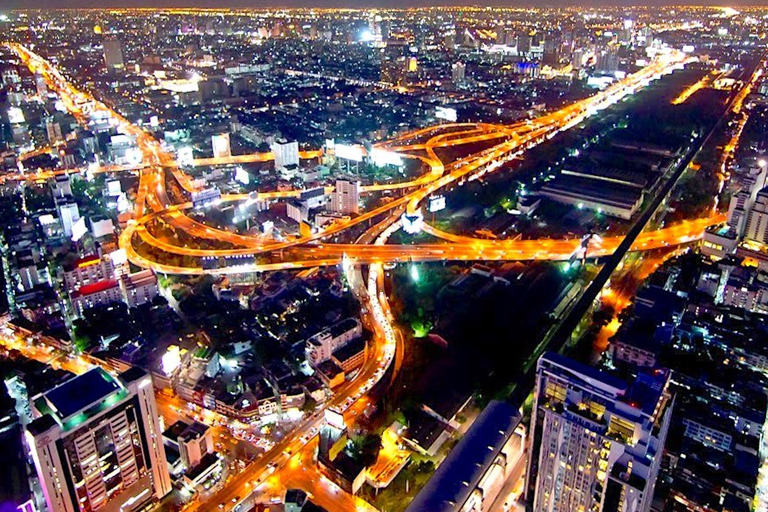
[595, 441]
[346, 197]
[113, 53]
[97, 443]
[286, 154]
[757, 222]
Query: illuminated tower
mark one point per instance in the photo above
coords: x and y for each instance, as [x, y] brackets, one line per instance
[595, 441]
[97, 443]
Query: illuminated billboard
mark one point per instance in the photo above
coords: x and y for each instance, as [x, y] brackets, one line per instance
[185, 156]
[221, 148]
[348, 152]
[79, 229]
[382, 158]
[15, 115]
[449, 114]
[436, 203]
[242, 176]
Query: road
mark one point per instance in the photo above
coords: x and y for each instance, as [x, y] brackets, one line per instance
[505, 143]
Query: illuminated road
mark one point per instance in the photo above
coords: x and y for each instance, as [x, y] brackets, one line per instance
[505, 143]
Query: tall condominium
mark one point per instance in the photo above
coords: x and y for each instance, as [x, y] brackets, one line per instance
[97, 443]
[596, 441]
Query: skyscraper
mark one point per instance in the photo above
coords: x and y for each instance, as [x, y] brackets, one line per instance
[113, 53]
[595, 441]
[97, 443]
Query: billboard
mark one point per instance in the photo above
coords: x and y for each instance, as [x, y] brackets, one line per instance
[436, 203]
[15, 115]
[382, 158]
[185, 156]
[349, 152]
[449, 114]
[113, 188]
[334, 419]
[79, 229]
[220, 144]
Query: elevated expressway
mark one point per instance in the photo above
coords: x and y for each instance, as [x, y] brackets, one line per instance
[152, 203]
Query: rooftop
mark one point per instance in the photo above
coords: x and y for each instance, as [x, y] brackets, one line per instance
[77, 394]
[458, 475]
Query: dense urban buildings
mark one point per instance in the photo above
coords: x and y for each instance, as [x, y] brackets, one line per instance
[445, 258]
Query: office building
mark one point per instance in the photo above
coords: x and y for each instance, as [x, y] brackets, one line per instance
[97, 294]
[595, 441]
[61, 187]
[757, 222]
[53, 130]
[87, 270]
[97, 444]
[346, 197]
[193, 441]
[320, 347]
[286, 154]
[113, 54]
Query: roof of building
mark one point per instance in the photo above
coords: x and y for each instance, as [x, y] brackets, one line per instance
[90, 289]
[80, 392]
[350, 350]
[458, 475]
[85, 261]
[141, 278]
[612, 194]
[185, 431]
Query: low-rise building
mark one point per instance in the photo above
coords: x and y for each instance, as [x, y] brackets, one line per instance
[139, 288]
[96, 294]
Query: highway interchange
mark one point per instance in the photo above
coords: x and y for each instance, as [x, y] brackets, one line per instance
[504, 143]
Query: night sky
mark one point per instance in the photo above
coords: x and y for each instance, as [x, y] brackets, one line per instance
[32, 4]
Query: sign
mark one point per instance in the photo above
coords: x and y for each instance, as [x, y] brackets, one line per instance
[79, 229]
[206, 197]
[242, 176]
[436, 203]
[382, 158]
[15, 115]
[335, 419]
[348, 152]
[449, 114]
